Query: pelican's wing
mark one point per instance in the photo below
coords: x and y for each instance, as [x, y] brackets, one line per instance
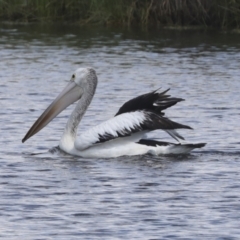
[126, 124]
[153, 101]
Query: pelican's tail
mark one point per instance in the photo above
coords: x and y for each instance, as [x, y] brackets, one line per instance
[165, 148]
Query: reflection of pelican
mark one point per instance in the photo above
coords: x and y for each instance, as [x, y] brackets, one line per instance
[124, 134]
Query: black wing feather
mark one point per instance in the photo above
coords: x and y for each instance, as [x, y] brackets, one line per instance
[153, 102]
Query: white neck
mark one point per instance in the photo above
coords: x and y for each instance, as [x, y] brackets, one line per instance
[70, 131]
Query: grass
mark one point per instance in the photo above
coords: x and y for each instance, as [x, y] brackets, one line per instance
[209, 13]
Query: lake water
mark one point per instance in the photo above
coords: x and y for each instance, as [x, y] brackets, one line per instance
[57, 196]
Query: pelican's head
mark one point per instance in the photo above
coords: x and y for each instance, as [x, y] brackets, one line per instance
[84, 77]
[82, 80]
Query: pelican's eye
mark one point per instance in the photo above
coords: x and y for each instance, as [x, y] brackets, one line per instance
[73, 77]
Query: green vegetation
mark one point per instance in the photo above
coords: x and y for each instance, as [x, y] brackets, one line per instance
[210, 13]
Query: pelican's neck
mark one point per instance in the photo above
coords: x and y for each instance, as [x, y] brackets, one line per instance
[70, 131]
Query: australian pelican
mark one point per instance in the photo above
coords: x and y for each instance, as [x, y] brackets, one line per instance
[124, 134]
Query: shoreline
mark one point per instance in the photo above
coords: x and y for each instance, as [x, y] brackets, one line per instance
[216, 14]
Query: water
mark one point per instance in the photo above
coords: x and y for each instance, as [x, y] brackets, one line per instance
[57, 196]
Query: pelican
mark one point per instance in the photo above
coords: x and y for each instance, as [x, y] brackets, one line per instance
[124, 134]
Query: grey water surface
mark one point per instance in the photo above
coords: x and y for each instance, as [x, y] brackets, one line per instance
[57, 196]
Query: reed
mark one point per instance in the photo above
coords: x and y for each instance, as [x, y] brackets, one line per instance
[213, 13]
